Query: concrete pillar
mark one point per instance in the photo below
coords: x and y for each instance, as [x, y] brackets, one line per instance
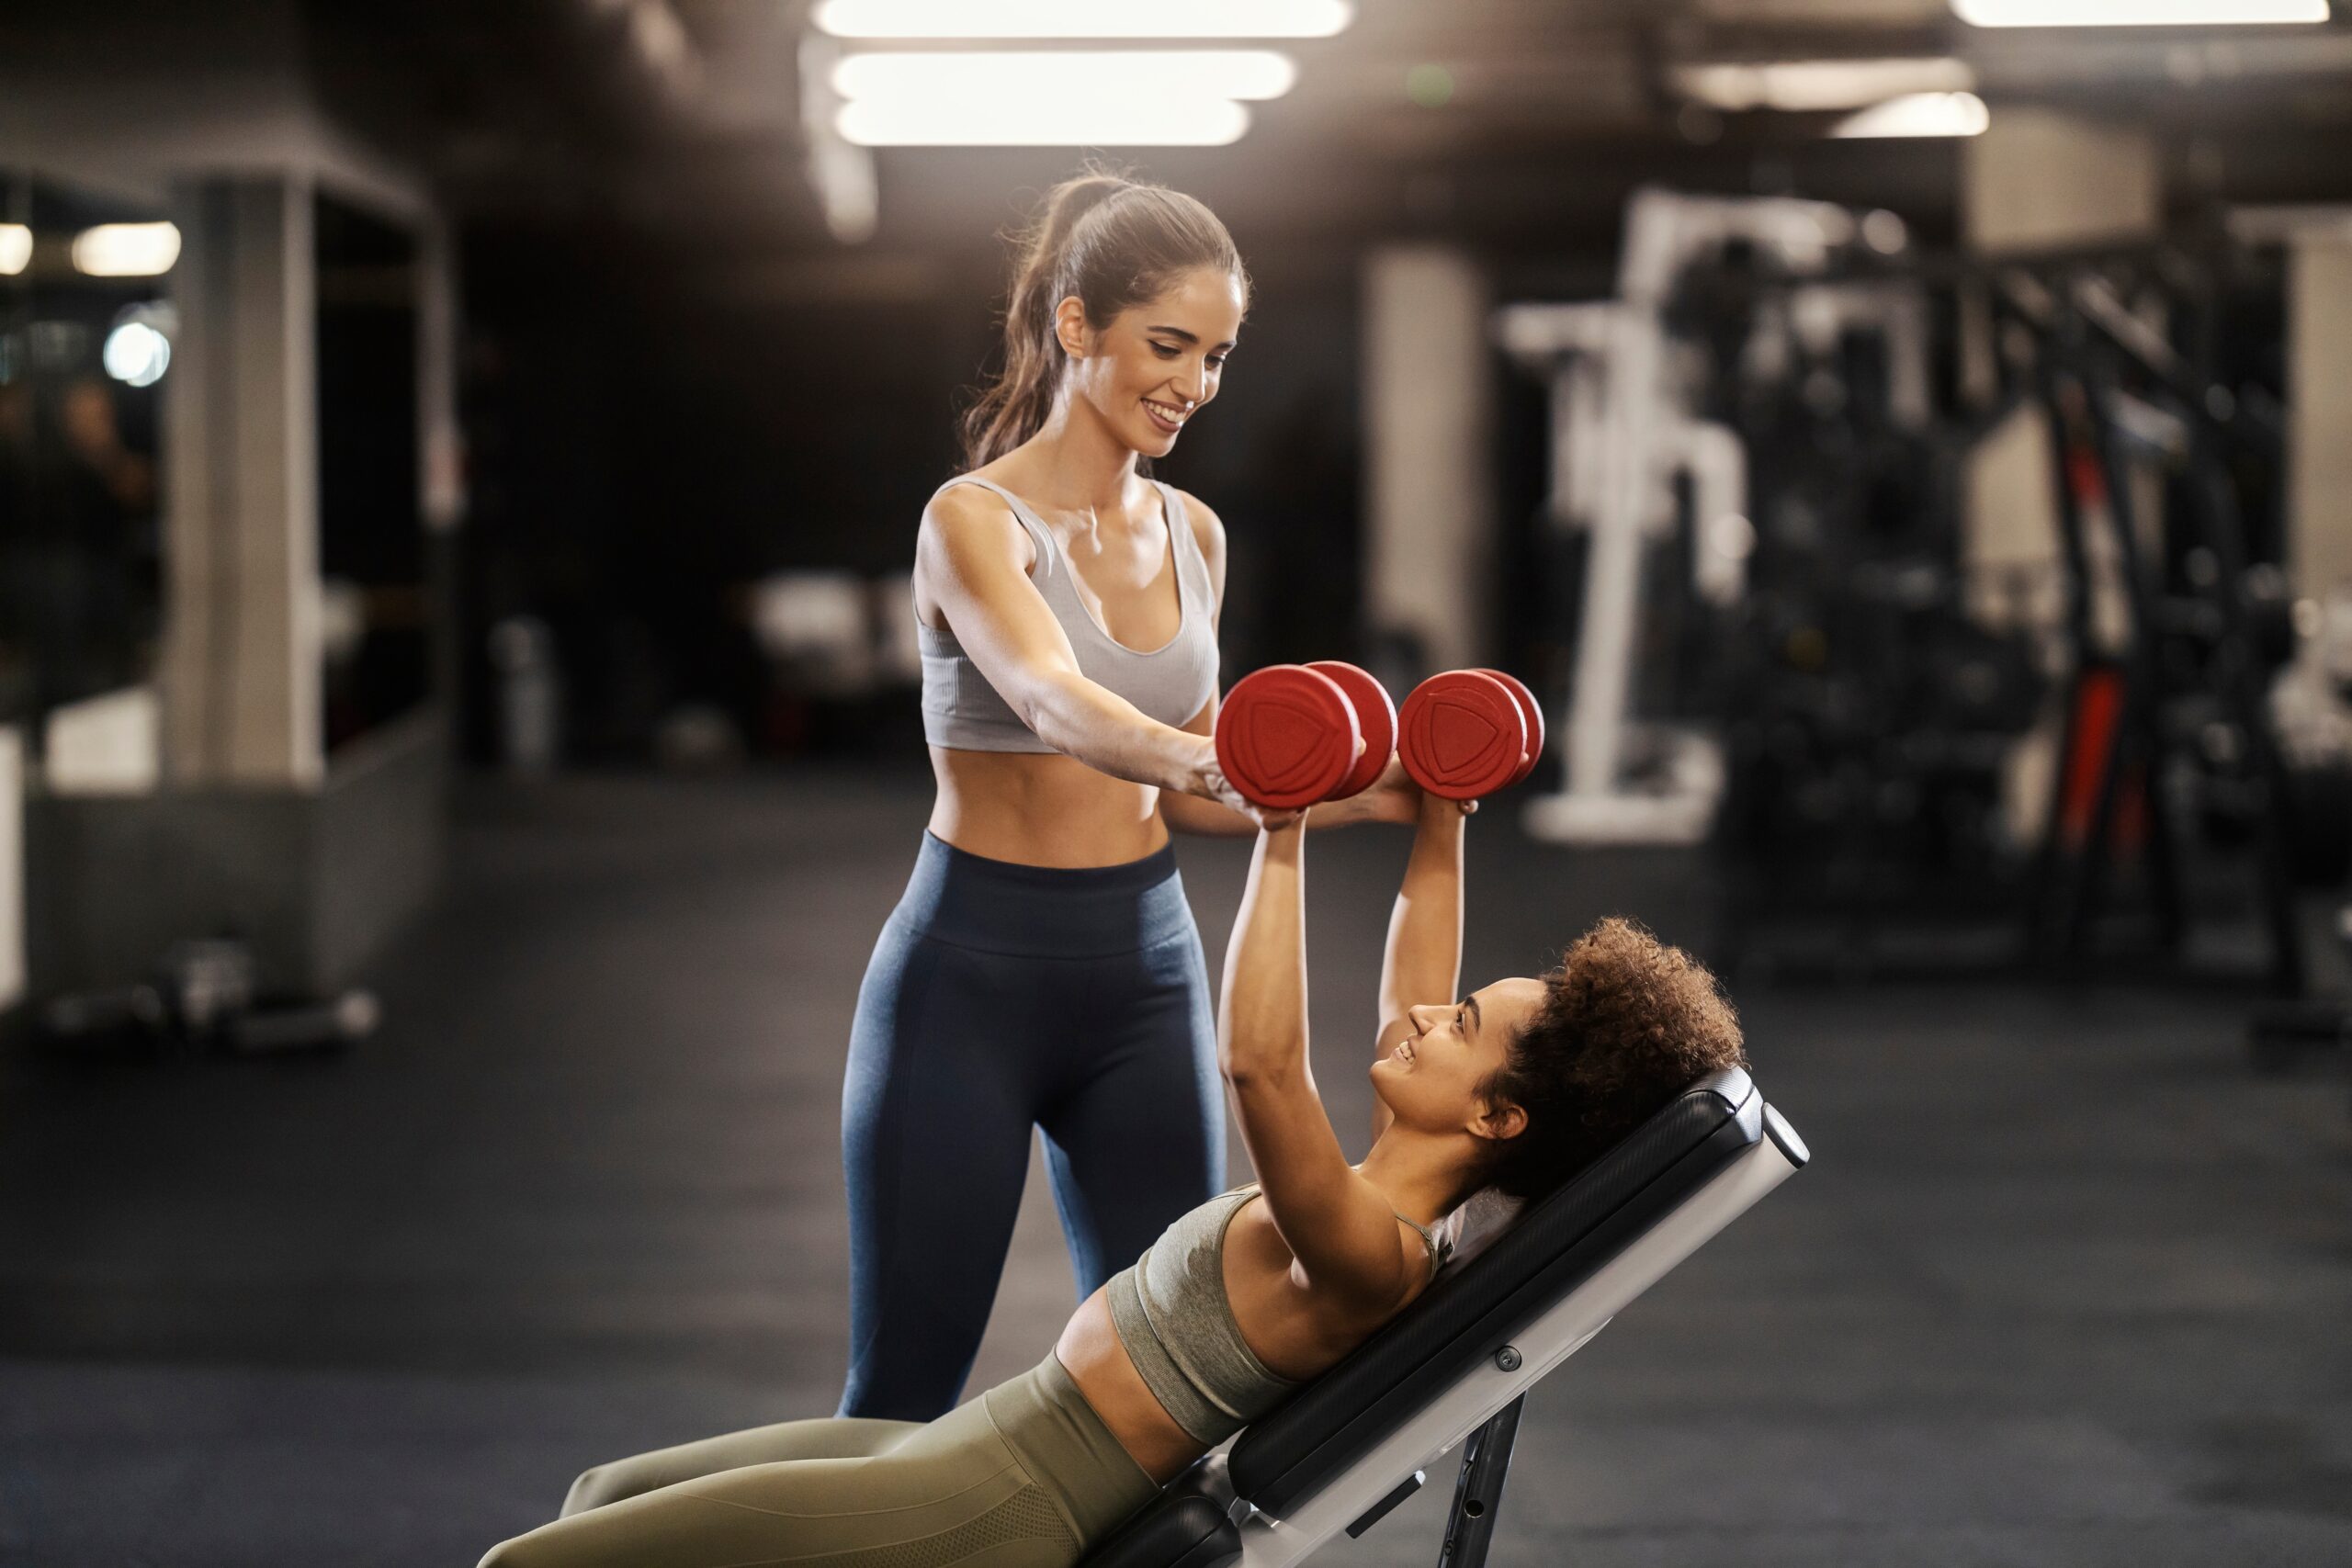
[1430, 528]
[2319, 401]
[240, 670]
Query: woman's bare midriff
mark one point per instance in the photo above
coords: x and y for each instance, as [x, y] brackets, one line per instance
[1042, 809]
[1260, 1281]
[1090, 1352]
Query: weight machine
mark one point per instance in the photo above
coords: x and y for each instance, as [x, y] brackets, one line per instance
[2175, 720]
[1635, 465]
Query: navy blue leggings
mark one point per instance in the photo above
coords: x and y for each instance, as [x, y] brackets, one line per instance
[1000, 998]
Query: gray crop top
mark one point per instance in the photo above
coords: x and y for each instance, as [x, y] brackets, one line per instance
[962, 712]
[1173, 1316]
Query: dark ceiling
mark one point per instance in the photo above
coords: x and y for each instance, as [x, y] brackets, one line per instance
[681, 117]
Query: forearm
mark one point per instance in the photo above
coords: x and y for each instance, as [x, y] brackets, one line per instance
[1201, 818]
[1111, 735]
[1211, 819]
[1261, 1017]
[1422, 963]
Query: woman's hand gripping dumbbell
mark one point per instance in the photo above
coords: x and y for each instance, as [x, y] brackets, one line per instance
[1294, 736]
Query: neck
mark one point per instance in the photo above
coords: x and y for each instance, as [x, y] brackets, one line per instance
[1081, 465]
[1423, 1176]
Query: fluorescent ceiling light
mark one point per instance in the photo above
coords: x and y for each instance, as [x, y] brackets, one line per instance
[976, 75]
[127, 250]
[16, 248]
[1808, 85]
[2134, 13]
[1920, 114]
[1083, 18]
[1121, 120]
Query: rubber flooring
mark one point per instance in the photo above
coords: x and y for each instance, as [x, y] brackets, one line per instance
[2066, 1284]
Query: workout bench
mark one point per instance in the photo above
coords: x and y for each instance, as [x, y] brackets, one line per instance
[1454, 1367]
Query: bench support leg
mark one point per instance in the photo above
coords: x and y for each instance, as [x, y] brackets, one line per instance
[1478, 1490]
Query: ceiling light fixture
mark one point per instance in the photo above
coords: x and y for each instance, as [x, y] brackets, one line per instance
[977, 77]
[1920, 114]
[2135, 13]
[1802, 86]
[1118, 119]
[16, 248]
[126, 250]
[1082, 18]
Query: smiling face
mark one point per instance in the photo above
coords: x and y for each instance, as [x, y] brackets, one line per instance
[1431, 1079]
[1157, 364]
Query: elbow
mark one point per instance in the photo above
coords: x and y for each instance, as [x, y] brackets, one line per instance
[1033, 710]
[1040, 704]
[1242, 1070]
[1256, 1069]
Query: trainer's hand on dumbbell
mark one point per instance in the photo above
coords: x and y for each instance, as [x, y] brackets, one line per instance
[1290, 737]
[1212, 785]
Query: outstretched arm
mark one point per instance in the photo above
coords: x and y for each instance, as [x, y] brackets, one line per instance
[1336, 1224]
[1422, 965]
[973, 559]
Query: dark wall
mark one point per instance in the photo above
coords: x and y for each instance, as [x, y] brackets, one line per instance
[656, 422]
[371, 531]
[649, 432]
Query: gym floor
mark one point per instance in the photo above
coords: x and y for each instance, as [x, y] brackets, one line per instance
[2067, 1284]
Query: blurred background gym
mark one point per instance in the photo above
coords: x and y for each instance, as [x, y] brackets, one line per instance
[458, 474]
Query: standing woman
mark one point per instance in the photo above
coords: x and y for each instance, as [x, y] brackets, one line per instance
[1043, 967]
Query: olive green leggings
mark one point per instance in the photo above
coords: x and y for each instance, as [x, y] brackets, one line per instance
[1023, 1476]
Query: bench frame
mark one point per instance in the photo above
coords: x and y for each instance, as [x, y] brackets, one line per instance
[1486, 1403]
[1205, 1524]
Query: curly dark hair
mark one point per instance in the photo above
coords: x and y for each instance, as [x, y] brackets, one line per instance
[1626, 1024]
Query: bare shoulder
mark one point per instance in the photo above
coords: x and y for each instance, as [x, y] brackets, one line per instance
[969, 509]
[1207, 526]
[965, 522]
[1208, 532]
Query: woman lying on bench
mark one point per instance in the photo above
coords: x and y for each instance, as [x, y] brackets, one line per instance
[1516, 1086]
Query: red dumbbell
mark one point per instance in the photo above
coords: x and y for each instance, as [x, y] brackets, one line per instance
[1530, 714]
[1376, 721]
[1463, 735]
[1286, 736]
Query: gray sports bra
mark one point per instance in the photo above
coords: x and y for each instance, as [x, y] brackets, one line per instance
[1173, 1316]
[962, 712]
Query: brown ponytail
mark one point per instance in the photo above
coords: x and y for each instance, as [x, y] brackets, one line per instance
[1113, 243]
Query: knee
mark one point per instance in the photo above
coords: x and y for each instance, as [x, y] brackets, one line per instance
[597, 1485]
[514, 1553]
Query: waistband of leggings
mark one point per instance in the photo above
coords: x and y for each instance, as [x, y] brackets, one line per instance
[1047, 1424]
[1045, 911]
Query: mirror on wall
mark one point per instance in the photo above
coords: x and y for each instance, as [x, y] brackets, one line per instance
[85, 337]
